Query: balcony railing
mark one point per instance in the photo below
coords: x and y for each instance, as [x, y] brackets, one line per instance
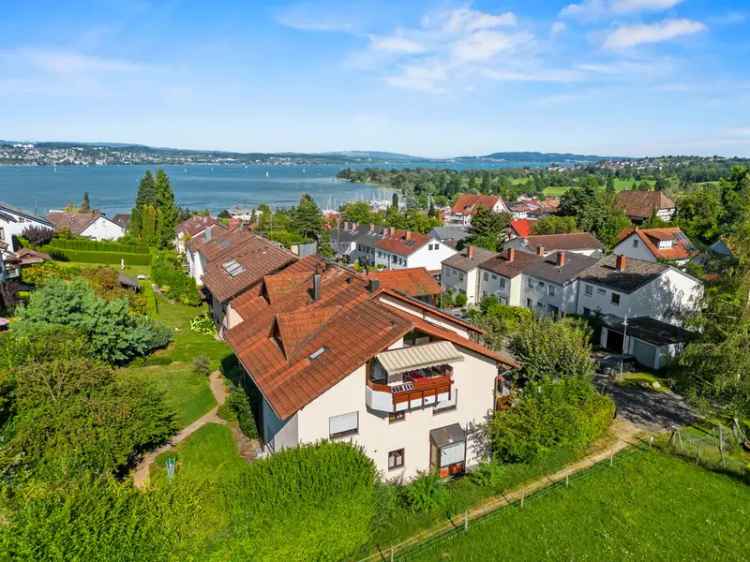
[413, 392]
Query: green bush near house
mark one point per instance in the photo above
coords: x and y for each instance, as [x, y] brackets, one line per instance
[167, 272]
[110, 258]
[237, 408]
[98, 246]
[314, 502]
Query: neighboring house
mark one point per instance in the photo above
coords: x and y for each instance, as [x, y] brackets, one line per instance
[652, 343]
[467, 205]
[618, 287]
[521, 228]
[460, 272]
[388, 247]
[13, 222]
[501, 276]
[450, 235]
[92, 225]
[417, 283]
[209, 244]
[640, 206]
[545, 244]
[123, 220]
[336, 357]
[229, 274]
[550, 284]
[656, 244]
[190, 228]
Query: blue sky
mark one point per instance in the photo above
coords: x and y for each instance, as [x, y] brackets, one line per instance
[433, 78]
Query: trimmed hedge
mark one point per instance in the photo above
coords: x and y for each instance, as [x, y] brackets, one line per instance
[99, 246]
[64, 254]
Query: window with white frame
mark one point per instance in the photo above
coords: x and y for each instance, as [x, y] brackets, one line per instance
[588, 290]
[615, 299]
[486, 276]
[552, 290]
[502, 283]
[635, 242]
[343, 425]
[600, 291]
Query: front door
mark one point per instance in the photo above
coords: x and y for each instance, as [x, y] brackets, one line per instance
[615, 341]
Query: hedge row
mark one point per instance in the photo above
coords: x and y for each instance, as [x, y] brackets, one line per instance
[64, 254]
[99, 246]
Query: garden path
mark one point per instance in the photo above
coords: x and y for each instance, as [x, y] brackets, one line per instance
[220, 392]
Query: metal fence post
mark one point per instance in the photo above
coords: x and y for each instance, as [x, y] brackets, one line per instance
[466, 521]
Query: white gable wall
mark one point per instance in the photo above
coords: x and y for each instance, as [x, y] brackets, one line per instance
[633, 247]
[103, 229]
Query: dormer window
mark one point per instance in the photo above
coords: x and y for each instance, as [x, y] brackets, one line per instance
[665, 244]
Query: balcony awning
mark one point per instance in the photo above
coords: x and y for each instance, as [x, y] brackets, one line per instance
[419, 357]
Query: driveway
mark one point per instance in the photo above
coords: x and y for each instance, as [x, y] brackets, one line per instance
[651, 411]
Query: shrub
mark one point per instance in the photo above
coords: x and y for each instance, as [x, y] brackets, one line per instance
[238, 408]
[460, 299]
[114, 334]
[314, 502]
[547, 348]
[38, 235]
[563, 413]
[74, 416]
[202, 365]
[86, 244]
[83, 256]
[202, 324]
[167, 272]
[425, 493]
[488, 475]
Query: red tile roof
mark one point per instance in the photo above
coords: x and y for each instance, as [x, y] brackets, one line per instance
[401, 242]
[295, 347]
[230, 274]
[468, 203]
[681, 249]
[642, 204]
[522, 227]
[415, 281]
[195, 225]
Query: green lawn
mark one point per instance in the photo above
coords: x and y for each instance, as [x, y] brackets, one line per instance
[642, 379]
[188, 344]
[208, 455]
[187, 392]
[648, 506]
[130, 270]
[620, 185]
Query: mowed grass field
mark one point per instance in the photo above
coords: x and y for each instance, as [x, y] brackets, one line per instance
[620, 185]
[647, 506]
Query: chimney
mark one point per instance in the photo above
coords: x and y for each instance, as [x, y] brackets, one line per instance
[316, 286]
[408, 235]
[373, 285]
[621, 263]
[511, 255]
[540, 250]
[472, 251]
[372, 227]
[560, 259]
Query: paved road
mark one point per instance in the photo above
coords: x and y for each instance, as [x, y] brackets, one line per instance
[651, 411]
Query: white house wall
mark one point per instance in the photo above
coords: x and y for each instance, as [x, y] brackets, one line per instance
[11, 229]
[639, 252]
[103, 229]
[473, 379]
[430, 259]
[421, 313]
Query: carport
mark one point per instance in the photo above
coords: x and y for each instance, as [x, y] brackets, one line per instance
[653, 344]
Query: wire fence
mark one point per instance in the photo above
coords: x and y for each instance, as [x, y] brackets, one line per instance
[716, 448]
[518, 499]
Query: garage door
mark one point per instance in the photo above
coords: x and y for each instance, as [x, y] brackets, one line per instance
[644, 353]
[614, 341]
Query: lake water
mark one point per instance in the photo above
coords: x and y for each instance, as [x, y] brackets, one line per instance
[112, 188]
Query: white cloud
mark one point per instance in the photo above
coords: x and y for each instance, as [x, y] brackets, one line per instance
[484, 45]
[426, 77]
[632, 35]
[465, 19]
[594, 9]
[311, 16]
[558, 27]
[396, 44]
[68, 62]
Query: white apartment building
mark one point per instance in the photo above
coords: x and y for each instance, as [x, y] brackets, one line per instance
[501, 276]
[341, 359]
[460, 272]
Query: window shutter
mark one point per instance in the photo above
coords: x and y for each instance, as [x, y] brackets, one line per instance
[343, 423]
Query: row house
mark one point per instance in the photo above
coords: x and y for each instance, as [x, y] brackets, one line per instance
[388, 247]
[460, 272]
[336, 356]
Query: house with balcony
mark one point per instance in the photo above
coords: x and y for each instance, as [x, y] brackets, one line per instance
[619, 290]
[388, 248]
[460, 272]
[550, 284]
[583, 243]
[335, 356]
[656, 245]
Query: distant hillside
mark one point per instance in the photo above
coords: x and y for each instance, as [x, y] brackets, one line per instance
[549, 157]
